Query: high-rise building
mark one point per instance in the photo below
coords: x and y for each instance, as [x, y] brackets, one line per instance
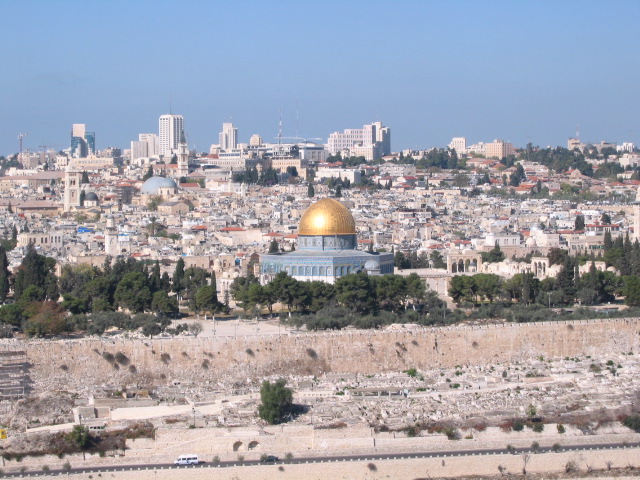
[171, 126]
[228, 137]
[83, 143]
[498, 149]
[459, 144]
[371, 141]
[145, 147]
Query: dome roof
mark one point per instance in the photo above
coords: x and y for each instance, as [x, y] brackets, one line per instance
[91, 196]
[327, 217]
[372, 265]
[153, 185]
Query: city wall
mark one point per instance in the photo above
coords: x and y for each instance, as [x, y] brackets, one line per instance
[80, 364]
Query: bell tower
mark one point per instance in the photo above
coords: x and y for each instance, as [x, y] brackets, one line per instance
[72, 188]
[183, 157]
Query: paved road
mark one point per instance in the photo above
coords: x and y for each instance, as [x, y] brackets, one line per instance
[349, 458]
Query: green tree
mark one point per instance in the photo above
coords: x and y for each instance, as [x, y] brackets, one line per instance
[357, 292]
[178, 276]
[494, 255]
[85, 177]
[206, 299]
[133, 292]
[605, 219]
[276, 401]
[631, 291]
[4, 274]
[579, 224]
[163, 303]
[79, 435]
[437, 261]
[311, 192]
[273, 246]
[35, 270]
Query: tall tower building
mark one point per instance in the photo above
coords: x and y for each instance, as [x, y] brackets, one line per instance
[636, 217]
[228, 137]
[83, 143]
[72, 188]
[170, 128]
[183, 158]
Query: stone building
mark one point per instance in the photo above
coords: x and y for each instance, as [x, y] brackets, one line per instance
[326, 248]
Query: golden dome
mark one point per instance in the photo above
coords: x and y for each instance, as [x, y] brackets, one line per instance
[327, 217]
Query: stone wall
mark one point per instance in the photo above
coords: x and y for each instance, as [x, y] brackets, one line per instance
[80, 365]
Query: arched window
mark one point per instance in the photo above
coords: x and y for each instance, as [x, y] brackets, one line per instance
[315, 271]
[294, 270]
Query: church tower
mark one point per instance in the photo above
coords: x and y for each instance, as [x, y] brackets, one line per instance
[72, 188]
[183, 158]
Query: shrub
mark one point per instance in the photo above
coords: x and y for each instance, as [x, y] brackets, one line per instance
[122, 359]
[452, 433]
[312, 353]
[66, 466]
[518, 426]
[241, 458]
[215, 460]
[561, 428]
[109, 357]
[249, 352]
[133, 369]
[288, 456]
[571, 466]
[480, 427]
[632, 422]
[535, 446]
[205, 364]
[412, 372]
[64, 368]
[45, 468]
[165, 358]
[372, 467]
[556, 447]
[538, 427]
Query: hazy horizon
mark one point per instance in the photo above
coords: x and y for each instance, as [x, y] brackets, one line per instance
[519, 71]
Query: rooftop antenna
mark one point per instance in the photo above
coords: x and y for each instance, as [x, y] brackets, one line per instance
[297, 119]
[280, 128]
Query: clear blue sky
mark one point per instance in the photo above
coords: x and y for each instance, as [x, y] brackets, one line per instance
[430, 70]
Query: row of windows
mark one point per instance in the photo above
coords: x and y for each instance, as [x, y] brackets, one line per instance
[317, 271]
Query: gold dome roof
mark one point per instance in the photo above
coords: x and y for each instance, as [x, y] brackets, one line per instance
[327, 217]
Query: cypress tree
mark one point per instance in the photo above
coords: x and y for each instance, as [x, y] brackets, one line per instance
[178, 276]
[4, 274]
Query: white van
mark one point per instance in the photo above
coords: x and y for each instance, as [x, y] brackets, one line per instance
[189, 459]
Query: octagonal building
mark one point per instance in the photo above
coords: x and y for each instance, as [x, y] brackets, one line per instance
[326, 249]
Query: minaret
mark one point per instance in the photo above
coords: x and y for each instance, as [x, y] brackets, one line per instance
[111, 237]
[72, 187]
[183, 157]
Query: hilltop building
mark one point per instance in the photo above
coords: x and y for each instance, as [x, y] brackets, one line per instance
[326, 248]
